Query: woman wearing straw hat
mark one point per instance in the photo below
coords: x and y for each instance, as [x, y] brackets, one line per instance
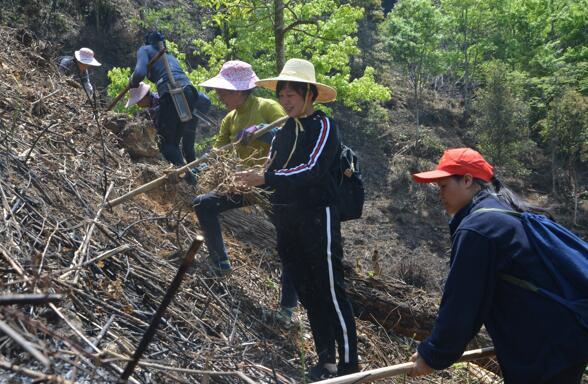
[301, 171]
[234, 85]
[144, 98]
[493, 255]
[78, 65]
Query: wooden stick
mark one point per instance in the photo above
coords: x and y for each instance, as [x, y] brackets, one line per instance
[112, 252]
[31, 299]
[124, 91]
[161, 180]
[162, 367]
[399, 369]
[80, 254]
[171, 291]
[118, 97]
[24, 344]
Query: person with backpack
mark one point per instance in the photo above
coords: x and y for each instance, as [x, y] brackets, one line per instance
[513, 270]
[301, 170]
[77, 65]
[171, 129]
[234, 85]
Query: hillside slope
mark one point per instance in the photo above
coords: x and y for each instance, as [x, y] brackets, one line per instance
[57, 164]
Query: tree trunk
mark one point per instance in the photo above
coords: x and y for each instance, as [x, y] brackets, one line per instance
[575, 193]
[417, 108]
[279, 34]
[466, 71]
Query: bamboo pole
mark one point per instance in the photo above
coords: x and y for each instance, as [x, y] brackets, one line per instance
[169, 295]
[161, 180]
[30, 299]
[399, 369]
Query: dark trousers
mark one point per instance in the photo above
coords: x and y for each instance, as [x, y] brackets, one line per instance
[570, 375]
[309, 241]
[207, 208]
[171, 130]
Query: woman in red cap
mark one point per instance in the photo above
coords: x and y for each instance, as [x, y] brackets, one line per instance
[537, 340]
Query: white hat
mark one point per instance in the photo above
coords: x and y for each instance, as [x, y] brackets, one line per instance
[300, 71]
[136, 94]
[235, 75]
[86, 56]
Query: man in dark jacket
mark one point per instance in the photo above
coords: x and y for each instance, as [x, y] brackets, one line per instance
[537, 340]
[170, 128]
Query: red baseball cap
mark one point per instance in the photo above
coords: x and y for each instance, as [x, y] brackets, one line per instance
[458, 161]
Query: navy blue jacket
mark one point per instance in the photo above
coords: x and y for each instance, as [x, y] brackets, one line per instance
[534, 337]
[307, 180]
[157, 74]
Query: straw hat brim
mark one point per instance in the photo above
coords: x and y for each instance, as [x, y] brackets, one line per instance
[325, 93]
[219, 82]
[134, 99]
[93, 62]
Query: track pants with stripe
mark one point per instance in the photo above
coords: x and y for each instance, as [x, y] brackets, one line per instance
[309, 241]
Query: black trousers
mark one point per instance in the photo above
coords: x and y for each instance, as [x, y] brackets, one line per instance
[309, 242]
[171, 129]
[570, 375]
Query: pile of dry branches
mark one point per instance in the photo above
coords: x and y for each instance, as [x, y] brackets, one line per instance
[109, 269]
[219, 176]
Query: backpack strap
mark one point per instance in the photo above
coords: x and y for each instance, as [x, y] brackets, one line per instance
[507, 211]
[506, 277]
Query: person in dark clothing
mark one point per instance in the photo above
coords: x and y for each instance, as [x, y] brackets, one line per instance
[537, 340]
[300, 170]
[77, 65]
[170, 128]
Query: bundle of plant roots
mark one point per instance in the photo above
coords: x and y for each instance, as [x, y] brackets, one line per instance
[219, 176]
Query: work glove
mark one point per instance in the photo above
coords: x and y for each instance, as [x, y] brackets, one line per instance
[199, 168]
[245, 136]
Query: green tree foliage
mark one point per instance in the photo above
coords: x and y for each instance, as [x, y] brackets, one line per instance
[118, 80]
[321, 31]
[500, 119]
[413, 33]
[177, 23]
[566, 130]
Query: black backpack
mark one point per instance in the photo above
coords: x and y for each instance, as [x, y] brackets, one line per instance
[350, 185]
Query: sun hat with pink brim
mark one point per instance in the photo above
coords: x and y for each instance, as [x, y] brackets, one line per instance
[136, 94]
[86, 56]
[235, 75]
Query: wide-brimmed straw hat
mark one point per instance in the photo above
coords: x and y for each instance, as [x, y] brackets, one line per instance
[301, 71]
[235, 75]
[86, 56]
[458, 161]
[136, 94]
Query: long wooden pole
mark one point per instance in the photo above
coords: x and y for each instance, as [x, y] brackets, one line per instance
[161, 180]
[124, 91]
[399, 369]
[169, 295]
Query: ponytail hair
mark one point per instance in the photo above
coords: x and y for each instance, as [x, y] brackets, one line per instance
[508, 197]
